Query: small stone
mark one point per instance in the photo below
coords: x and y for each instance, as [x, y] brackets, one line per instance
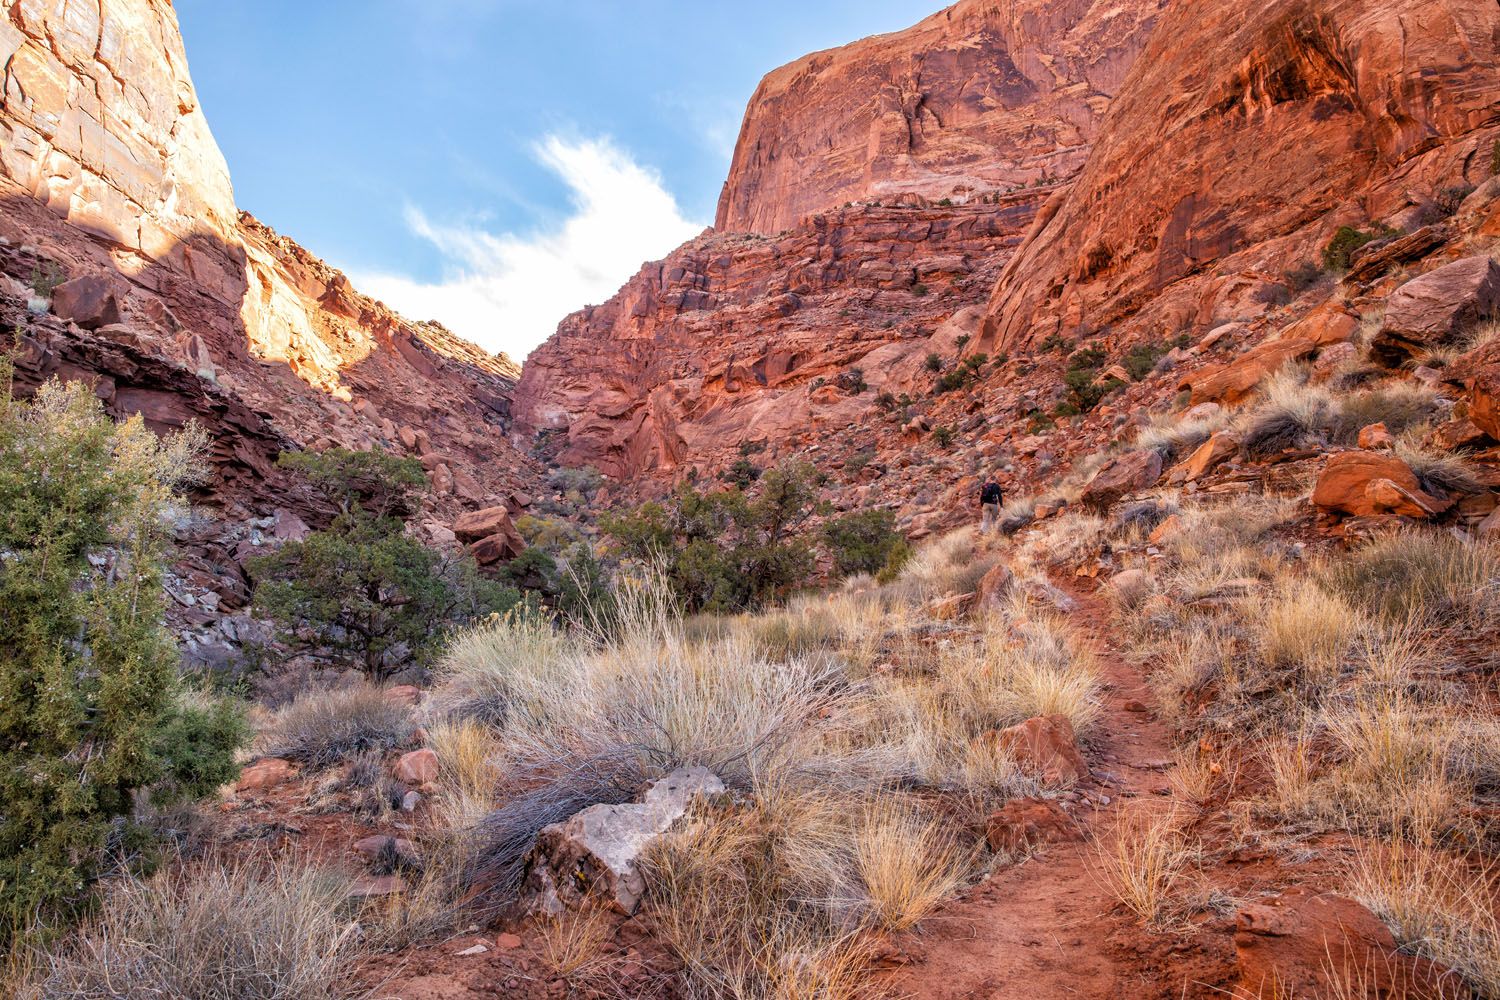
[477, 949]
[420, 767]
[508, 942]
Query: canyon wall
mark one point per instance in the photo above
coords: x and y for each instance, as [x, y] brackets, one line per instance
[108, 168]
[740, 340]
[1237, 146]
[889, 181]
[982, 96]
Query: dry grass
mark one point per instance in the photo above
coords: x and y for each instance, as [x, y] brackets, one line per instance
[908, 863]
[274, 931]
[573, 946]
[1422, 576]
[1145, 862]
[323, 728]
[1438, 904]
[1177, 438]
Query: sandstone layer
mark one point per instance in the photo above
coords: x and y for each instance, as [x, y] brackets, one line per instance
[743, 341]
[980, 97]
[1238, 145]
[108, 168]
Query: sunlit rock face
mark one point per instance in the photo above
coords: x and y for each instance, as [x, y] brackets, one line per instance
[108, 167]
[1237, 145]
[982, 96]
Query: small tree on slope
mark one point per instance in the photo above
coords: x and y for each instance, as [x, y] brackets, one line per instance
[89, 713]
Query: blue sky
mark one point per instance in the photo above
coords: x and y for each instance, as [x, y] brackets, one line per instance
[494, 164]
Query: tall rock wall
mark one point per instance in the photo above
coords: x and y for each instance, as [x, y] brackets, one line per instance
[740, 343]
[1236, 147]
[108, 168]
[983, 96]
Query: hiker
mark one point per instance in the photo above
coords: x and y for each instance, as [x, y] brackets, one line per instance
[990, 499]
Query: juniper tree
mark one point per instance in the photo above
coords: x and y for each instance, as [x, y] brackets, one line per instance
[363, 587]
[89, 714]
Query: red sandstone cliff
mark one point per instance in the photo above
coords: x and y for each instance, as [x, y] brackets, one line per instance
[982, 96]
[108, 168]
[1238, 145]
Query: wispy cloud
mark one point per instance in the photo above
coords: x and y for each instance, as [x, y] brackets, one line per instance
[508, 291]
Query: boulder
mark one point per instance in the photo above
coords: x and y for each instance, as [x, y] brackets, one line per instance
[91, 301]
[1297, 943]
[420, 767]
[497, 549]
[1359, 482]
[265, 774]
[1437, 307]
[1376, 437]
[1208, 456]
[994, 586]
[1129, 473]
[1022, 825]
[1230, 383]
[1045, 746]
[1333, 322]
[1369, 264]
[1484, 390]
[597, 851]
[480, 524]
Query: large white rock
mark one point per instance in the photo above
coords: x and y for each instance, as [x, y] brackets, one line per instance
[597, 851]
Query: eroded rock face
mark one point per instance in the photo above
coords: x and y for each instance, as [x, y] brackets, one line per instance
[765, 341]
[1237, 145]
[110, 177]
[980, 97]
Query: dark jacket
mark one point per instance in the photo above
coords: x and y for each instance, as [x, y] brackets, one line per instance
[990, 493]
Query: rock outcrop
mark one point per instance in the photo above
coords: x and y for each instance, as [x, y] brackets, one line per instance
[978, 98]
[110, 181]
[764, 342]
[1237, 145]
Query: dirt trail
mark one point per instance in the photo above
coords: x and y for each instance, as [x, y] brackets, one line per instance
[1038, 930]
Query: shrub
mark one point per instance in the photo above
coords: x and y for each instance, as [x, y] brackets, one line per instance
[934, 362]
[908, 863]
[1054, 342]
[964, 374]
[1144, 863]
[862, 542]
[89, 696]
[324, 728]
[1346, 240]
[726, 551]
[1420, 575]
[943, 435]
[44, 280]
[273, 932]
[919, 289]
[1141, 360]
[1084, 393]
[363, 587]
[1303, 276]
[1439, 905]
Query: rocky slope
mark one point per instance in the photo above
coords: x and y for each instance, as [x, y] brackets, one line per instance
[766, 343]
[982, 96]
[109, 169]
[940, 143]
[1231, 155]
[1203, 176]
[180, 307]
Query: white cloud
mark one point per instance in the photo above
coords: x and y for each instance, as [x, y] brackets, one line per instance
[508, 291]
